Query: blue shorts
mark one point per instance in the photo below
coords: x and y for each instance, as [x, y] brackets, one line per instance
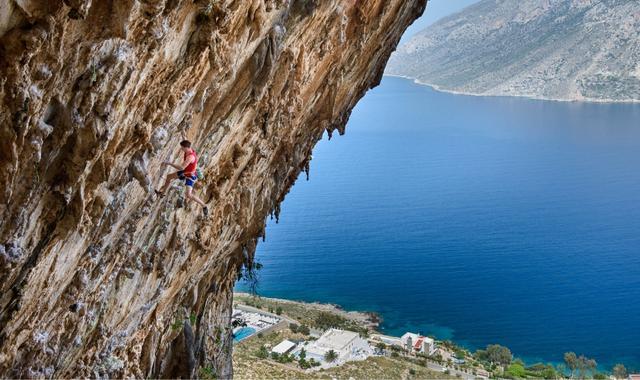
[188, 180]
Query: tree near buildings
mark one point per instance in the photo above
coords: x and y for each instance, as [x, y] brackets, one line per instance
[620, 372]
[499, 354]
[581, 365]
[481, 355]
[588, 367]
[330, 356]
[571, 360]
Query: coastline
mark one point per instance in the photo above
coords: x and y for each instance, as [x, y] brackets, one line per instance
[302, 323]
[395, 316]
[454, 92]
[370, 319]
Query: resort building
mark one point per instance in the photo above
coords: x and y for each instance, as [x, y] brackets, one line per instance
[347, 345]
[283, 347]
[388, 340]
[418, 343]
[259, 320]
[252, 322]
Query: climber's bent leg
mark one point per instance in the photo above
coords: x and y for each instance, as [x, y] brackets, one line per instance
[193, 197]
[167, 183]
[190, 195]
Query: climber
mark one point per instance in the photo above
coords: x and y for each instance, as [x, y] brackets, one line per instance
[187, 173]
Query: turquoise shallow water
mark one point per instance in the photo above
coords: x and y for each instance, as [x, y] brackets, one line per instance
[483, 220]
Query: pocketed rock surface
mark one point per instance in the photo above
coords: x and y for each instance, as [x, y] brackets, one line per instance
[100, 278]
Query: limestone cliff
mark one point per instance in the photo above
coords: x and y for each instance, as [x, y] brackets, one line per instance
[585, 50]
[99, 277]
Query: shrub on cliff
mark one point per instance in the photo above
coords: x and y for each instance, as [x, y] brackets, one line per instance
[540, 370]
[262, 353]
[304, 329]
[326, 320]
[516, 371]
[207, 373]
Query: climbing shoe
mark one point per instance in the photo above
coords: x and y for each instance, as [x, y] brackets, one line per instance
[205, 210]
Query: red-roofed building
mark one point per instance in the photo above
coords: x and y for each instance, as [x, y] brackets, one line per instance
[418, 343]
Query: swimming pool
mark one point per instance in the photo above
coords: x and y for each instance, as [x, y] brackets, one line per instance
[243, 333]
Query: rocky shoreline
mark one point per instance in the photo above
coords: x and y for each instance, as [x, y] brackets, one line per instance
[455, 92]
[561, 51]
[371, 320]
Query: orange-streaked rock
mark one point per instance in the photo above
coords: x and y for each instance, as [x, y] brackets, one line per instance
[99, 277]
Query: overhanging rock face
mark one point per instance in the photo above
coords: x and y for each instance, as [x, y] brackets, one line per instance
[99, 277]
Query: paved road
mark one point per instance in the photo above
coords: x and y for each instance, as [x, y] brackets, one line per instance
[454, 372]
[440, 368]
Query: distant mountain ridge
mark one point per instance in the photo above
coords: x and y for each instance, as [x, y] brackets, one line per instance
[550, 49]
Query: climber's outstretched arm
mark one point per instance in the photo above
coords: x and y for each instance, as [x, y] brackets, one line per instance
[184, 165]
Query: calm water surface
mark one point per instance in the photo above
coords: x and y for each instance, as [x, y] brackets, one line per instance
[482, 220]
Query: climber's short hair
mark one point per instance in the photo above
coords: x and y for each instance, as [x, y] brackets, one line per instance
[185, 144]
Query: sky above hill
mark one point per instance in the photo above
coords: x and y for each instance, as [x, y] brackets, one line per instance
[436, 9]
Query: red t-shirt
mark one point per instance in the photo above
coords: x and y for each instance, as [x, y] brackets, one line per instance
[191, 168]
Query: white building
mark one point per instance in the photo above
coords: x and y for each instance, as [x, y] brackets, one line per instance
[417, 343]
[347, 344]
[283, 347]
[388, 340]
[259, 321]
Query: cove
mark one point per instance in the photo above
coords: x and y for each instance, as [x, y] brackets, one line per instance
[478, 219]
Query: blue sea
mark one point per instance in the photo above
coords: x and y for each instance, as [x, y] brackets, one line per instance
[477, 219]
